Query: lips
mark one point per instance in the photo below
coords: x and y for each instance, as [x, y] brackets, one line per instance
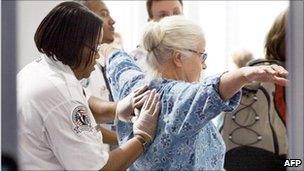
[112, 29]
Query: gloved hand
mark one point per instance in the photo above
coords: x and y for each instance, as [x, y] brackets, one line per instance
[145, 124]
[125, 107]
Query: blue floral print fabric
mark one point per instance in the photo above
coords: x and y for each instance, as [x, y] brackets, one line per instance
[186, 139]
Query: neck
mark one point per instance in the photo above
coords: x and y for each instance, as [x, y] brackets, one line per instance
[171, 72]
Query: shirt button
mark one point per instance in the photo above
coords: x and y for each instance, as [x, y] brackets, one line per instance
[103, 88]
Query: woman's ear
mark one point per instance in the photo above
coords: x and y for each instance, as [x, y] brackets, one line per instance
[177, 58]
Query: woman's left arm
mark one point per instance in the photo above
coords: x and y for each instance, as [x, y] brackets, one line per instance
[231, 82]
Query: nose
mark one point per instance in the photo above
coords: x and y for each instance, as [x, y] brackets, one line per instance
[97, 55]
[111, 21]
[204, 66]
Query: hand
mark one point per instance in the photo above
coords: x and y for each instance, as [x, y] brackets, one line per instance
[270, 73]
[145, 124]
[107, 49]
[125, 107]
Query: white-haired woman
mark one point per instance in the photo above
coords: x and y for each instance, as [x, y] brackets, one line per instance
[185, 138]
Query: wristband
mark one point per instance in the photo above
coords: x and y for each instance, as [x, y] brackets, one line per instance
[143, 142]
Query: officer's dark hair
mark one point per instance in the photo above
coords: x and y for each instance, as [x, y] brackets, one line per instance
[66, 30]
[149, 6]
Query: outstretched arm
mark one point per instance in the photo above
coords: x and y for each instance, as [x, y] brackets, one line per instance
[232, 81]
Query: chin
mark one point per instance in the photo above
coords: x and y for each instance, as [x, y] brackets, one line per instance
[87, 75]
[108, 39]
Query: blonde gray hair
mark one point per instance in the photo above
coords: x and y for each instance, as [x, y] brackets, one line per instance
[174, 32]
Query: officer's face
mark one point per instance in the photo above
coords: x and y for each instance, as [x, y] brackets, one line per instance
[84, 71]
[99, 8]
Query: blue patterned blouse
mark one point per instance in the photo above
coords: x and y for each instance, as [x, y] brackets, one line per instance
[186, 139]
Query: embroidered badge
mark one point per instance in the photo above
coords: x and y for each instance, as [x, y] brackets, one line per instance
[38, 59]
[81, 120]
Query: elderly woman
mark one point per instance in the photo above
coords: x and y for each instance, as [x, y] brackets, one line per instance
[185, 138]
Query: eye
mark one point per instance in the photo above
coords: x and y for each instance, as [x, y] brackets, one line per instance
[104, 14]
[176, 12]
[162, 15]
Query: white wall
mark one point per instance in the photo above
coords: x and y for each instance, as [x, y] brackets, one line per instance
[228, 25]
[29, 16]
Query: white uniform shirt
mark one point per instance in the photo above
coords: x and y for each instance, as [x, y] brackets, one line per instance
[95, 85]
[56, 127]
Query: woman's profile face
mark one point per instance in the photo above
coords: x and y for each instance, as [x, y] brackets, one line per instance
[194, 64]
[85, 70]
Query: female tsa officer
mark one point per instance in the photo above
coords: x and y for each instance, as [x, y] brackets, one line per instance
[57, 130]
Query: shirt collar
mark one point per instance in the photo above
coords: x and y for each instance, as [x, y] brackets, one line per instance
[63, 69]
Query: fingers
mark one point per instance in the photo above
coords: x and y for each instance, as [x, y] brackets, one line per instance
[138, 103]
[281, 71]
[140, 90]
[270, 70]
[281, 81]
[139, 97]
[154, 104]
[148, 102]
[156, 109]
[273, 73]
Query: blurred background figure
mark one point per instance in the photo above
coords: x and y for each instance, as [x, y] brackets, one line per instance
[241, 57]
[157, 9]
[275, 48]
[255, 133]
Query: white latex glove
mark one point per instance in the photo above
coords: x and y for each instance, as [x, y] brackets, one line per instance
[145, 124]
[125, 107]
[266, 73]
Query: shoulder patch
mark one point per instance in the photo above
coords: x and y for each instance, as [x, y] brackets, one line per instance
[81, 120]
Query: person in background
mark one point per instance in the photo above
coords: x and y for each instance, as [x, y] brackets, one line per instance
[157, 9]
[255, 133]
[186, 137]
[96, 85]
[57, 130]
[241, 58]
[275, 48]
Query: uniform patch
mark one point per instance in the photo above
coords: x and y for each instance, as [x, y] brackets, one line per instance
[38, 59]
[81, 120]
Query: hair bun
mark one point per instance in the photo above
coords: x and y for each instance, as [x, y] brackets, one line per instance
[153, 35]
